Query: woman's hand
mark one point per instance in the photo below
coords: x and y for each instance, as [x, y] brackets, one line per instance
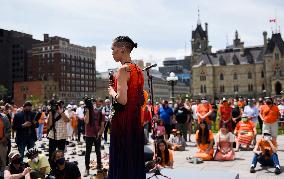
[111, 91]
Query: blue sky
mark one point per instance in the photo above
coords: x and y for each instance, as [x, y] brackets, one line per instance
[160, 27]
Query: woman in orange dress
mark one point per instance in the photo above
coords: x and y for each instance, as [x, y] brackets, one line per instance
[204, 140]
[127, 134]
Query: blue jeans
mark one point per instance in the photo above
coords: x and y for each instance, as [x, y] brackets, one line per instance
[23, 143]
[272, 161]
[39, 131]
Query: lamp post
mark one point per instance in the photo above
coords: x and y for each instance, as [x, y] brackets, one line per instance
[264, 93]
[172, 80]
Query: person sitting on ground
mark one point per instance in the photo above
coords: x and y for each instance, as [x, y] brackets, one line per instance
[265, 152]
[164, 154]
[16, 169]
[224, 143]
[62, 169]
[245, 132]
[204, 140]
[38, 163]
[160, 129]
[177, 142]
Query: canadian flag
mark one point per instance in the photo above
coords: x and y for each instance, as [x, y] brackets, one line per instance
[272, 20]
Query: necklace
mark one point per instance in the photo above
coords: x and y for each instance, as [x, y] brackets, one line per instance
[126, 62]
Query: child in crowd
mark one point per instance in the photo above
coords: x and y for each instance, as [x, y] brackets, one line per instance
[160, 130]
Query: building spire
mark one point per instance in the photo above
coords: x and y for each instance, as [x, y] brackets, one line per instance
[198, 20]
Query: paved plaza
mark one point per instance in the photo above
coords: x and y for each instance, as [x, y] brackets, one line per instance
[212, 169]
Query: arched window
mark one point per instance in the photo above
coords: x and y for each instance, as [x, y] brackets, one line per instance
[236, 88]
[236, 60]
[263, 87]
[249, 75]
[201, 89]
[221, 76]
[204, 89]
[262, 74]
[222, 89]
[202, 76]
[235, 76]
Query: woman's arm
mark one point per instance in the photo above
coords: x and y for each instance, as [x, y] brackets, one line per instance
[123, 76]
[87, 117]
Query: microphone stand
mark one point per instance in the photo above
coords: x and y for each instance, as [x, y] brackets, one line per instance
[157, 173]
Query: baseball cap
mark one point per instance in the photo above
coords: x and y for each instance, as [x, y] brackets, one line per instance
[266, 131]
[13, 153]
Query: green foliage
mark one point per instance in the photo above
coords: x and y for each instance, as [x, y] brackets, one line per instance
[3, 91]
[35, 100]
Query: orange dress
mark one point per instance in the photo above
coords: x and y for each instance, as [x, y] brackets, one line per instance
[127, 132]
[203, 147]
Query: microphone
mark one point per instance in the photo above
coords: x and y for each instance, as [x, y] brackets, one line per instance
[148, 67]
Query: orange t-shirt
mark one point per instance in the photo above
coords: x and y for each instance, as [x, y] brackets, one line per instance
[241, 104]
[245, 126]
[269, 114]
[204, 109]
[41, 119]
[225, 112]
[1, 128]
[204, 146]
[263, 145]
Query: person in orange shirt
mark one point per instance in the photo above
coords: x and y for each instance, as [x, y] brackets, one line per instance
[265, 153]
[269, 113]
[40, 124]
[164, 154]
[241, 103]
[245, 132]
[204, 140]
[203, 111]
[225, 111]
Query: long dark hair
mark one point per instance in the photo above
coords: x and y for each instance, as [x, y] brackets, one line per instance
[159, 152]
[206, 133]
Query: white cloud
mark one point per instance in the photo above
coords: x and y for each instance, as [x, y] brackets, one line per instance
[161, 27]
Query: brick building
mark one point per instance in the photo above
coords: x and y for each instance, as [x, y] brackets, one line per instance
[72, 66]
[15, 49]
[36, 91]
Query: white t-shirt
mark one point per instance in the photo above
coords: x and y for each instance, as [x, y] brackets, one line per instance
[281, 110]
[80, 112]
[194, 108]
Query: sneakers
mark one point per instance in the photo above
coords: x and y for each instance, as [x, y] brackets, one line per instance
[87, 173]
[252, 170]
[277, 171]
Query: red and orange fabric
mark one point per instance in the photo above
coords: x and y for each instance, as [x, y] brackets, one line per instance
[203, 109]
[264, 145]
[226, 112]
[201, 153]
[245, 132]
[269, 114]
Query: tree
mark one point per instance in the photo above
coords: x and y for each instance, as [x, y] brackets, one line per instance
[3, 91]
[35, 100]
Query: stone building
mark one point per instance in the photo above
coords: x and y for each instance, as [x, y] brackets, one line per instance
[238, 70]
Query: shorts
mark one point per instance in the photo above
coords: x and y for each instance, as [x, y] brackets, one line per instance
[273, 128]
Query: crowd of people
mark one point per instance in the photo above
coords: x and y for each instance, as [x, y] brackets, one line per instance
[235, 121]
[170, 125]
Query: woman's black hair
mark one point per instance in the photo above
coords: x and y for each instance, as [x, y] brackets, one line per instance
[159, 153]
[206, 133]
[52, 159]
[125, 41]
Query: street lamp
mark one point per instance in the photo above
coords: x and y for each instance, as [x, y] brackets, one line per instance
[264, 93]
[172, 80]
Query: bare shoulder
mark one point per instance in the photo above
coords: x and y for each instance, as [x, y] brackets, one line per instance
[124, 68]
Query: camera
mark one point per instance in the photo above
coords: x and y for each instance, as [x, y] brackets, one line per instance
[54, 105]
